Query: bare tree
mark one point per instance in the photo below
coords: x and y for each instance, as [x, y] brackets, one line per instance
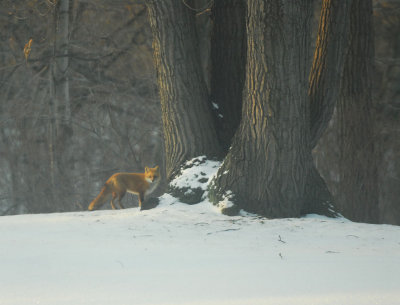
[187, 119]
[269, 168]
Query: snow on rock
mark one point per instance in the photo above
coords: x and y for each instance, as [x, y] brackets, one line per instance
[196, 172]
[192, 181]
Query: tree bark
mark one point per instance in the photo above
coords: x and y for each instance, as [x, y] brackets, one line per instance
[327, 68]
[269, 169]
[228, 63]
[187, 121]
[267, 166]
[324, 83]
[358, 186]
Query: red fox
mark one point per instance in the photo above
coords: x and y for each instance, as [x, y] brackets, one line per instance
[118, 184]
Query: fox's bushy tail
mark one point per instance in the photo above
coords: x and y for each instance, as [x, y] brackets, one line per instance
[101, 198]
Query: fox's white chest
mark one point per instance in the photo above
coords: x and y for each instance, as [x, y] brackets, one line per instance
[153, 186]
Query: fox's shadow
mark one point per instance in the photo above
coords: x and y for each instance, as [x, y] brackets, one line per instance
[150, 203]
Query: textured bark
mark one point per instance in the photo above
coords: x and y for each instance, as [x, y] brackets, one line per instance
[268, 164]
[358, 186]
[228, 59]
[324, 84]
[328, 64]
[318, 199]
[187, 121]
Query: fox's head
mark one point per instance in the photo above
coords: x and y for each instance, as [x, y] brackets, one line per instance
[152, 174]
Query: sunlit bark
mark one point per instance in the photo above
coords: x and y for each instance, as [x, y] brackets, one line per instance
[187, 122]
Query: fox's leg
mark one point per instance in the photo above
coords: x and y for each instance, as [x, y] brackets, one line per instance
[120, 196]
[141, 199]
[114, 195]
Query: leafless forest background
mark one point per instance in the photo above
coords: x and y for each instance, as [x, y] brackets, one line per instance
[81, 103]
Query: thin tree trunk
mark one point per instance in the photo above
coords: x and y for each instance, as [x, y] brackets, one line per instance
[187, 121]
[60, 68]
[51, 141]
[59, 128]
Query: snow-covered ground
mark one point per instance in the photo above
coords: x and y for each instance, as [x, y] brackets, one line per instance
[179, 254]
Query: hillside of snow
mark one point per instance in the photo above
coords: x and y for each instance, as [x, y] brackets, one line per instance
[192, 254]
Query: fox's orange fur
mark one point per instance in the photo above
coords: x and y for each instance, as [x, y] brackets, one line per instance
[118, 184]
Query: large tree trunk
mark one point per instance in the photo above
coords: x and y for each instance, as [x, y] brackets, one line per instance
[269, 169]
[358, 187]
[327, 68]
[267, 166]
[187, 121]
[228, 59]
[324, 84]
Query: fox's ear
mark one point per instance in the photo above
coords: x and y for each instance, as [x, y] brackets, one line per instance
[156, 168]
[146, 169]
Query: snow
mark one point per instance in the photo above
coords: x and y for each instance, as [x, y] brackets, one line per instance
[196, 173]
[193, 255]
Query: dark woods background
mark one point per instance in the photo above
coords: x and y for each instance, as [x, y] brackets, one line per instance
[81, 107]
[82, 103]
